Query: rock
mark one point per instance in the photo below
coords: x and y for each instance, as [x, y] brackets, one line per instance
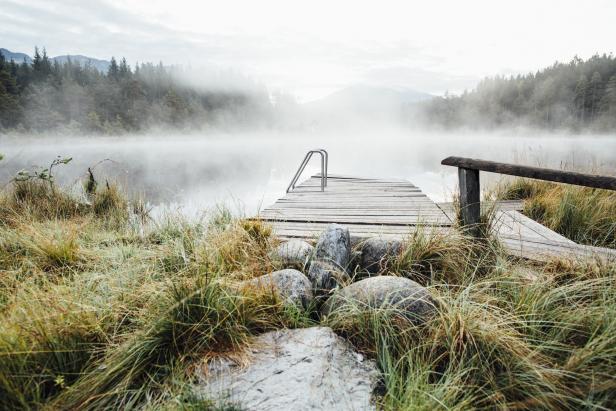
[301, 369]
[325, 277]
[377, 254]
[334, 246]
[293, 254]
[292, 286]
[355, 262]
[332, 258]
[399, 293]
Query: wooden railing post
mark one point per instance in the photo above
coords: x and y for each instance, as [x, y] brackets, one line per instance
[470, 207]
[468, 173]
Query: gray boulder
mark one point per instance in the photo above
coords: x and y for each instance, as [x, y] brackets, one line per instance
[332, 258]
[302, 369]
[378, 253]
[384, 292]
[325, 277]
[293, 254]
[334, 246]
[291, 285]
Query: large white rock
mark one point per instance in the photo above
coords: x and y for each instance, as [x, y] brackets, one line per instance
[302, 369]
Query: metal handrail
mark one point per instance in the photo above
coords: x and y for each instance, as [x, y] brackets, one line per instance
[302, 166]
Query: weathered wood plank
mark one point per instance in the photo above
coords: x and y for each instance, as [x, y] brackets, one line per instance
[559, 176]
[412, 220]
[516, 219]
[362, 194]
[377, 200]
[517, 205]
[470, 209]
[347, 177]
[359, 230]
[526, 248]
[347, 212]
[525, 238]
[368, 206]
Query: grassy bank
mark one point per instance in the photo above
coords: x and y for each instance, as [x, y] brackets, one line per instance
[584, 215]
[103, 308]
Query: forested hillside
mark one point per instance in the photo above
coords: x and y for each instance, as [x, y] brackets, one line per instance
[46, 95]
[576, 95]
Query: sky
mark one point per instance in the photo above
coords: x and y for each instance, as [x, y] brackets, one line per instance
[312, 48]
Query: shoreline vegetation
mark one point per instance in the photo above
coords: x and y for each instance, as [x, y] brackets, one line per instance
[45, 96]
[102, 307]
[584, 215]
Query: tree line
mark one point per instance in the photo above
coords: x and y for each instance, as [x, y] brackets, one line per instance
[45, 95]
[576, 95]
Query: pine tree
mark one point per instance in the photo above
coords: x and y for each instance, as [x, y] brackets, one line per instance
[608, 102]
[581, 94]
[9, 106]
[124, 70]
[594, 94]
[113, 71]
[41, 65]
[36, 63]
[45, 64]
[24, 75]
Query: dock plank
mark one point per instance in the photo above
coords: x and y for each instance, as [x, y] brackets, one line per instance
[368, 206]
[394, 208]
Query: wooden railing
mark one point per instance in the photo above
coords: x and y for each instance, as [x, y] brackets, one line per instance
[468, 175]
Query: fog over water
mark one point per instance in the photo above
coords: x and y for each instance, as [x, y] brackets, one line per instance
[250, 170]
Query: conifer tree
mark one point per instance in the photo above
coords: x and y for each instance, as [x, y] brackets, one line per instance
[113, 71]
[581, 94]
[124, 70]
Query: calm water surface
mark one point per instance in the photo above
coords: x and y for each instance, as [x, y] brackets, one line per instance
[247, 171]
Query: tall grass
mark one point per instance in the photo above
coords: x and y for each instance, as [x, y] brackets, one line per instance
[498, 342]
[201, 319]
[103, 309]
[584, 215]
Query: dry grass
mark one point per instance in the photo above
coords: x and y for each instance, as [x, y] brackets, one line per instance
[584, 215]
[100, 315]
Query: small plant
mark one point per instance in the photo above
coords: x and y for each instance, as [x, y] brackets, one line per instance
[45, 174]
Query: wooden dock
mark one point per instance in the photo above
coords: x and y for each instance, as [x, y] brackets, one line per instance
[394, 208]
[367, 206]
[523, 237]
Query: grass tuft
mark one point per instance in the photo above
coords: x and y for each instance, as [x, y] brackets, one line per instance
[102, 307]
[584, 215]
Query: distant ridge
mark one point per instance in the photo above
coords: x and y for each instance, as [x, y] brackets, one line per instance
[364, 103]
[368, 98]
[18, 57]
[100, 65]
[365, 93]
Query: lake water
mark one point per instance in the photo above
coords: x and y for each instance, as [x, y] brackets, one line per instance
[247, 171]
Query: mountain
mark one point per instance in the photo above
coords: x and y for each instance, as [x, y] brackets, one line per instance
[363, 103]
[364, 96]
[18, 57]
[100, 65]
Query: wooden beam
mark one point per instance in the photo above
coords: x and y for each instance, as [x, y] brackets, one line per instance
[470, 208]
[559, 176]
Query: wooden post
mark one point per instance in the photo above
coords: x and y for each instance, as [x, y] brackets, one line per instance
[470, 208]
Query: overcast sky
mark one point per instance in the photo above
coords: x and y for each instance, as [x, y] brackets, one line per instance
[311, 48]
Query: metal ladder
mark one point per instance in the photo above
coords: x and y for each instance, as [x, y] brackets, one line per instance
[302, 166]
